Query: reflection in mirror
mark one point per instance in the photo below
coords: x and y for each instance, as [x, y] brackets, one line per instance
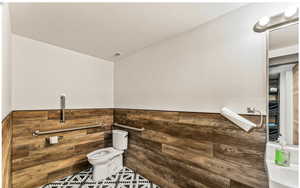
[283, 84]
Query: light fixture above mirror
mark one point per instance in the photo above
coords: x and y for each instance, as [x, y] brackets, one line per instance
[290, 12]
[288, 16]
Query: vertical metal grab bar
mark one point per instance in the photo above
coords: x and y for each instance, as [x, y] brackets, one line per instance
[62, 108]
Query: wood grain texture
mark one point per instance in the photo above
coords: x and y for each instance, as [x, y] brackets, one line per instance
[194, 150]
[6, 151]
[296, 105]
[35, 162]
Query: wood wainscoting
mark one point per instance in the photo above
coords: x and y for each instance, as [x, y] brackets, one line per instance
[35, 162]
[296, 104]
[194, 150]
[6, 151]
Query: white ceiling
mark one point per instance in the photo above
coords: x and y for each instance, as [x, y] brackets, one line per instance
[102, 29]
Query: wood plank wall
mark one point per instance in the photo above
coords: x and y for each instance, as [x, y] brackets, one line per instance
[35, 162]
[194, 150]
[295, 104]
[6, 151]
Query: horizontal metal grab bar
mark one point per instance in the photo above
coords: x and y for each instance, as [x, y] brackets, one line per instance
[37, 132]
[128, 127]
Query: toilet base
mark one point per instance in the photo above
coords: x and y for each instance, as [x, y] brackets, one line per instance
[103, 171]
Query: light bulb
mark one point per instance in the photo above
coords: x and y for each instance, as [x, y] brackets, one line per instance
[290, 12]
[264, 21]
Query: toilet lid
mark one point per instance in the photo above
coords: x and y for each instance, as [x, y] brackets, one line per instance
[104, 153]
[101, 154]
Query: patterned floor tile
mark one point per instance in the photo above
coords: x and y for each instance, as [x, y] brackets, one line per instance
[125, 178]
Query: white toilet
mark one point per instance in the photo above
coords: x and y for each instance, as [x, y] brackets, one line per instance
[109, 161]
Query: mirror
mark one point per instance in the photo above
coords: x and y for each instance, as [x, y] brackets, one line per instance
[283, 83]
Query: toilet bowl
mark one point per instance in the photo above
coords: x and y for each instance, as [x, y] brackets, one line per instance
[109, 161]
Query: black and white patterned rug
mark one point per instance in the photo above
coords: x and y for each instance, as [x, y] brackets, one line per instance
[126, 178]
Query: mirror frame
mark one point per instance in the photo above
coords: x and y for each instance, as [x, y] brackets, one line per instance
[267, 74]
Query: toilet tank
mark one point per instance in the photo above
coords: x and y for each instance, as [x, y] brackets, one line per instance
[120, 139]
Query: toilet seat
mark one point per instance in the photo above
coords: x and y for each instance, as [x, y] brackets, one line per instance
[104, 154]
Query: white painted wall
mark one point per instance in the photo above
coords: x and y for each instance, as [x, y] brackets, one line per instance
[41, 72]
[221, 63]
[6, 62]
[289, 50]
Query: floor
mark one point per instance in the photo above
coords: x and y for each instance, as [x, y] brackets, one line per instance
[126, 178]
